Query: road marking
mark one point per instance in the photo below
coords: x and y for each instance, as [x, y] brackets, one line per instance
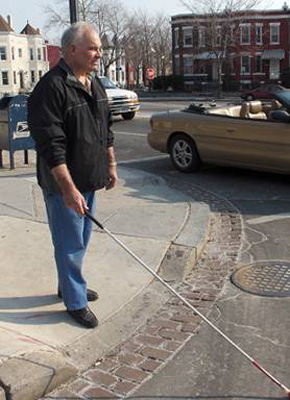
[136, 160]
[268, 218]
[130, 133]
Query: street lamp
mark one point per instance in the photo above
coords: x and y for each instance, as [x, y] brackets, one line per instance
[73, 9]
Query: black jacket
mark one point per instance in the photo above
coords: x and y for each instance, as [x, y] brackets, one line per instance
[70, 126]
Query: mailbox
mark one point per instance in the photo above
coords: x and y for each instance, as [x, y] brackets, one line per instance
[14, 133]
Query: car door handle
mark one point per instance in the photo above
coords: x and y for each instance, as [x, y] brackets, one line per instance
[230, 130]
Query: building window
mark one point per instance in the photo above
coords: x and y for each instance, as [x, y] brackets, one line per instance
[232, 66]
[188, 65]
[176, 38]
[14, 78]
[177, 65]
[187, 37]
[259, 34]
[232, 34]
[3, 55]
[219, 35]
[39, 53]
[246, 34]
[258, 63]
[12, 53]
[40, 74]
[202, 37]
[274, 33]
[5, 78]
[245, 65]
[20, 53]
[31, 53]
[32, 75]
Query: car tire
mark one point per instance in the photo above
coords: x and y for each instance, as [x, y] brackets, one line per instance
[184, 154]
[128, 115]
[249, 97]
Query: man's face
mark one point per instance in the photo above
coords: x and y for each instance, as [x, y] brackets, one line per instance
[87, 51]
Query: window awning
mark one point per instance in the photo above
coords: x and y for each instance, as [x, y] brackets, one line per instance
[208, 55]
[275, 54]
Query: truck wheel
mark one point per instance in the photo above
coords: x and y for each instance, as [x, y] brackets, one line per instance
[128, 115]
[184, 154]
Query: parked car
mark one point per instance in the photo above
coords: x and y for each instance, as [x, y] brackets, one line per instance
[250, 135]
[261, 92]
[121, 102]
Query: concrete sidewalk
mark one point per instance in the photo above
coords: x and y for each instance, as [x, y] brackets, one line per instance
[41, 346]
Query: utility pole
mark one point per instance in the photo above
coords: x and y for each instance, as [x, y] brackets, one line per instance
[73, 8]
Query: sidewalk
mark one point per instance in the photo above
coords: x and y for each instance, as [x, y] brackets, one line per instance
[41, 346]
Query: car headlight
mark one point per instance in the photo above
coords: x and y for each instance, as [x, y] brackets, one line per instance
[133, 96]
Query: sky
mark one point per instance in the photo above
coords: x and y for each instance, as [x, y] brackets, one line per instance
[32, 10]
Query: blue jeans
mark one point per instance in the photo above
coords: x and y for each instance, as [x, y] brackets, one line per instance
[70, 236]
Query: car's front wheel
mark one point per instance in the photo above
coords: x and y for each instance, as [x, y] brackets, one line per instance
[128, 115]
[184, 154]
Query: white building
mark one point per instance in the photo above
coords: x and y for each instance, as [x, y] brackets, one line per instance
[23, 58]
[117, 68]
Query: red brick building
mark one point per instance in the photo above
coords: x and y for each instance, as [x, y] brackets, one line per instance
[53, 54]
[252, 47]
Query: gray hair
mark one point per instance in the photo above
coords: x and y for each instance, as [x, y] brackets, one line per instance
[74, 34]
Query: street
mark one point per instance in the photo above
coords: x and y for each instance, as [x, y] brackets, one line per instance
[263, 199]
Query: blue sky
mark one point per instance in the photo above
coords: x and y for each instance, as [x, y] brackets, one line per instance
[32, 10]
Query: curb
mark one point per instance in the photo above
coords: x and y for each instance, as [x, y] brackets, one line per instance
[2, 394]
[29, 376]
[32, 375]
[126, 371]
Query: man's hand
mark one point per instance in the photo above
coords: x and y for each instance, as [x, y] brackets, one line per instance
[71, 196]
[75, 200]
[112, 176]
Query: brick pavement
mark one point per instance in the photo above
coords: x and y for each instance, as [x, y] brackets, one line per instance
[125, 368]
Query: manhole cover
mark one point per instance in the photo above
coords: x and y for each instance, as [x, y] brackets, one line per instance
[270, 278]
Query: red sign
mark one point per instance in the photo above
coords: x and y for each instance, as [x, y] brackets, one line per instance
[150, 73]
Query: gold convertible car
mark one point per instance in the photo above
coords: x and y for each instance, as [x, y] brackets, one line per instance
[250, 135]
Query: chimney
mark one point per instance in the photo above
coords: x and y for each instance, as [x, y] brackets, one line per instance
[9, 20]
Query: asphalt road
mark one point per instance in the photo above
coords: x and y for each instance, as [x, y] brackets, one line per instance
[263, 199]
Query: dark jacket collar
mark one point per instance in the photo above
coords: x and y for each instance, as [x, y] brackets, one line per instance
[69, 72]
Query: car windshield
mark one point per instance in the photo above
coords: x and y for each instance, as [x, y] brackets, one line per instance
[284, 97]
[107, 83]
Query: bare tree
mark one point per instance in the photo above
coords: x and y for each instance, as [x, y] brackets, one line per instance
[110, 17]
[143, 39]
[150, 45]
[117, 23]
[217, 24]
[162, 45]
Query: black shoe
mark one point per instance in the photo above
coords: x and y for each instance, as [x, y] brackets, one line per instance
[84, 316]
[91, 295]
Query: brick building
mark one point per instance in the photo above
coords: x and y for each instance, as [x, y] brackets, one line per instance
[252, 47]
[53, 54]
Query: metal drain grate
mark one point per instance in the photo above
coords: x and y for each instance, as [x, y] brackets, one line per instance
[269, 278]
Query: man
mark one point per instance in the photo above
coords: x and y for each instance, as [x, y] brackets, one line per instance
[69, 120]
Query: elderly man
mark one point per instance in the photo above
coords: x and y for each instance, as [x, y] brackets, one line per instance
[69, 120]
